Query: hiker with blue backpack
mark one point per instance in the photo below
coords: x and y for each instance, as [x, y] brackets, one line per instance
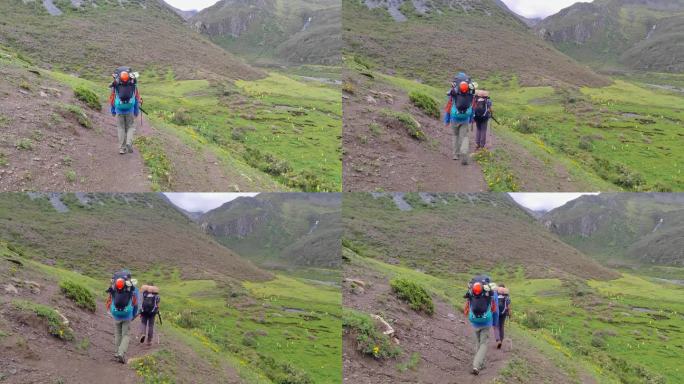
[459, 114]
[125, 102]
[122, 304]
[480, 307]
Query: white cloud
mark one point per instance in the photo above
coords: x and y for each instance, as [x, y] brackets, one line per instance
[203, 202]
[545, 201]
[539, 8]
[189, 5]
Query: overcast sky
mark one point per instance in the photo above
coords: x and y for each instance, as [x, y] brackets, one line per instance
[188, 5]
[539, 8]
[545, 201]
[204, 202]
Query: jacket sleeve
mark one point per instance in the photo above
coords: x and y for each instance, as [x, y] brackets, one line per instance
[466, 308]
[493, 305]
[112, 96]
[108, 303]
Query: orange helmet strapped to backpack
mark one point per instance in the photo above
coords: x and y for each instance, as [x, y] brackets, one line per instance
[119, 283]
[124, 76]
[477, 288]
[464, 87]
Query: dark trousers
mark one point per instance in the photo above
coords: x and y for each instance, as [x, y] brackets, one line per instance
[500, 327]
[481, 135]
[147, 324]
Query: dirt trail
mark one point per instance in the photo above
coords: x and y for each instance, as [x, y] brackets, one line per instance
[56, 152]
[393, 161]
[444, 341]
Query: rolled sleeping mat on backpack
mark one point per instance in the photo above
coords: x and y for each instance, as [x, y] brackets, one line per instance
[150, 289]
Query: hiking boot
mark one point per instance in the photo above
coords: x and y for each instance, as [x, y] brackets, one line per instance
[475, 371]
[464, 161]
[498, 345]
[129, 148]
[122, 151]
[122, 358]
[142, 339]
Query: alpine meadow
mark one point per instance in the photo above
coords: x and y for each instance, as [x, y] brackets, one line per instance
[212, 120]
[222, 318]
[587, 99]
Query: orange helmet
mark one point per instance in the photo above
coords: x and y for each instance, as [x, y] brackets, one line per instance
[124, 76]
[463, 87]
[477, 288]
[119, 283]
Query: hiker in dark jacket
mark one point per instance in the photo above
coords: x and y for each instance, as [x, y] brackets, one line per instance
[482, 112]
[504, 306]
[148, 311]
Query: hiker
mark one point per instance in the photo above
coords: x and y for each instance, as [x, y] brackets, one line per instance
[479, 308]
[125, 104]
[459, 114]
[150, 309]
[482, 112]
[123, 306]
[504, 307]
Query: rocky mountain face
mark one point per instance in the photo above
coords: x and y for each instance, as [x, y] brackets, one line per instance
[288, 32]
[637, 34]
[631, 227]
[280, 230]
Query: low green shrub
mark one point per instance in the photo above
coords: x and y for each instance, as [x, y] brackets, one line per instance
[82, 296]
[369, 340]
[416, 296]
[89, 97]
[283, 372]
[78, 113]
[425, 103]
[406, 122]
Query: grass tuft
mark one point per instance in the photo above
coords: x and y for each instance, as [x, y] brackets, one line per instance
[89, 97]
[54, 321]
[425, 103]
[369, 340]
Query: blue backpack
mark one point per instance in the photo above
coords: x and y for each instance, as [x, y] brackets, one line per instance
[125, 99]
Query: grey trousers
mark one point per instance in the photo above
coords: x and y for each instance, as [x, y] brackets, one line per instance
[461, 141]
[126, 129]
[481, 339]
[121, 336]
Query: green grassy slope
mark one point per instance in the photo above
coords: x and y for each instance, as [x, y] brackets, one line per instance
[275, 31]
[482, 39]
[625, 329]
[623, 228]
[272, 131]
[92, 41]
[459, 233]
[280, 230]
[110, 231]
[270, 332]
